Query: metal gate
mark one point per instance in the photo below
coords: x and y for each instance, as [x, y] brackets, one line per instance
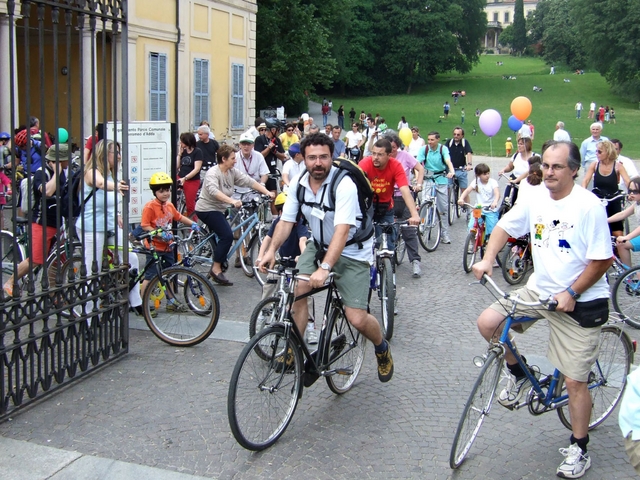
[64, 303]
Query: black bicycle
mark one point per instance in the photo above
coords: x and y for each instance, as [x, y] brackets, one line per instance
[276, 364]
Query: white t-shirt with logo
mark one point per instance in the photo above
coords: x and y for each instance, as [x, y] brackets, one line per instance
[566, 235]
[485, 194]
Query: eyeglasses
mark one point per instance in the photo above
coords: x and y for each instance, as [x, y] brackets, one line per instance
[261, 129]
[322, 158]
[164, 189]
[555, 168]
[289, 129]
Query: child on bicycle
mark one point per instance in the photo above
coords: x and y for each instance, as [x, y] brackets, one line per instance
[160, 213]
[291, 248]
[487, 195]
[630, 242]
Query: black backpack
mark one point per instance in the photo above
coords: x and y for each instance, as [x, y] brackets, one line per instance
[365, 199]
[70, 203]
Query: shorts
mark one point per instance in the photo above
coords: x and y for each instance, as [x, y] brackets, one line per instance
[351, 276]
[635, 242]
[168, 259]
[632, 448]
[572, 349]
[271, 185]
[37, 253]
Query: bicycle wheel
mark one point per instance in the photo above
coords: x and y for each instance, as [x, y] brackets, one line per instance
[626, 296]
[472, 253]
[515, 264]
[182, 307]
[452, 204]
[401, 249]
[608, 376]
[12, 252]
[264, 393]
[387, 297]
[245, 255]
[476, 409]
[268, 312]
[254, 249]
[429, 229]
[457, 196]
[347, 347]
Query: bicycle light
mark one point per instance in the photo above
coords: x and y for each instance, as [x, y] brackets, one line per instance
[479, 360]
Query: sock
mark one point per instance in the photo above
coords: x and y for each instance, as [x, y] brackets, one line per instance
[516, 371]
[382, 347]
[581, 442]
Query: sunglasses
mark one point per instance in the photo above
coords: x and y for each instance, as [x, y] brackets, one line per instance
[289, 129]
[261, 129]
[634, 192]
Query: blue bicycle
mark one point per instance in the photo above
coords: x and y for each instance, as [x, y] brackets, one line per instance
[606, 381]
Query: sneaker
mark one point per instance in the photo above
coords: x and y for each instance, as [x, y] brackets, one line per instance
[282, 363]
[177, 308]
[416, 269]
[576, 462]
[385, 364]
[237, 263]
[515, 389]
[312, 336]
[445, 239]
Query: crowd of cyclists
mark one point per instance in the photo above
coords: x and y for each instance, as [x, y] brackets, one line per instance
[324, 233]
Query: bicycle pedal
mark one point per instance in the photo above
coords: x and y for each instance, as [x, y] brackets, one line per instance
[344, 371]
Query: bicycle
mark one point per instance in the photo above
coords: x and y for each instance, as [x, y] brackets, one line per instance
[510, 195]
[179, 305]
[430, 222]
[277, 363]
[606, 381]
[476, 240]
[453, 195]
[517, 259]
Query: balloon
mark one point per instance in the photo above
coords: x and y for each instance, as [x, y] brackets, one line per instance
[490, 122]
[514, 123]
[63, 135]
[521, 108]
[405, 135]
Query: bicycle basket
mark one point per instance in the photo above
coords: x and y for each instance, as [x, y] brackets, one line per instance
[477, 212]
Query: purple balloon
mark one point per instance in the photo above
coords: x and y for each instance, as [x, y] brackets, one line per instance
[514, 123]
[490, 122]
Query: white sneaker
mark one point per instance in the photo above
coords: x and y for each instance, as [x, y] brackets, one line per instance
[312, 335]
[416, 269]
[445, 239]
[512, 393]
[576, 462]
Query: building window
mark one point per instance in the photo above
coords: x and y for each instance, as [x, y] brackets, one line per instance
[157, 86]
[237, 103]
[200, 91]
[506, 17]
[495, 16]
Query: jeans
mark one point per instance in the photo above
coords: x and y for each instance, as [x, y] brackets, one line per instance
[341, 122]
[216, 222]
[391, 236]
[325, 119]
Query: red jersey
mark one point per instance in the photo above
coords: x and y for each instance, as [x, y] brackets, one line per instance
[156, 214]
[383, 181]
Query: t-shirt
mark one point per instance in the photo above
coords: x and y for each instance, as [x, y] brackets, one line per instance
[383, 180]
[271, 160]
[415, 146]
[255, 167]
[293, 169]
[525, 131]
[347, 211]
[408, 163]
[520, 165]
[155, 215]
[291, 246]
[434, 162]
[566, 235]
[630, 167]
[353, 138]
[338, 148]
[288, 140]
[209, 151]
[561, 135]
[187, 163]
[458, 152]
[528, 192]
[485, 192]
[216, 181]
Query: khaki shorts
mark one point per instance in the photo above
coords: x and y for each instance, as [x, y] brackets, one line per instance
[572, 349]
[633, 451]
[351, 276]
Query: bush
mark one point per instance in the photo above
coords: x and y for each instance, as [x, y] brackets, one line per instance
[489, 51]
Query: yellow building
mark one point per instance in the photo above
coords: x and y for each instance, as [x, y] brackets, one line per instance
[499, 16]
[187, 61]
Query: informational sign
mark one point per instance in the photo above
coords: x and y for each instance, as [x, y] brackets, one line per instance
[149, 152]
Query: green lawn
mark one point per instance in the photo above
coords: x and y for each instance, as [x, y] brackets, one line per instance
[485, 88]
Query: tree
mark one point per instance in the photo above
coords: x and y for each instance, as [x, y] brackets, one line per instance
[519, 28]
[506, 37]
[414, 42]
[562, 43]
[292, 53]
[610, 31]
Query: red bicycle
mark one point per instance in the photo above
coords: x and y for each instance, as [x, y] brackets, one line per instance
[476, 240]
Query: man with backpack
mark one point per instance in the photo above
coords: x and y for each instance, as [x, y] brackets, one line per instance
[461, 156]
[331, 200]
[436, 160]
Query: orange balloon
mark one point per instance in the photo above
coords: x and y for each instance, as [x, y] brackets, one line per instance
[521, 108]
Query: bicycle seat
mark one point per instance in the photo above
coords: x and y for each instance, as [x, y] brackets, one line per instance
[21, 220]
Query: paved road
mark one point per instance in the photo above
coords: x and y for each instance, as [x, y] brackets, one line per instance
[165, 407]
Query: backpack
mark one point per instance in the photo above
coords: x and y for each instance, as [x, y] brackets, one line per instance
[365, 199]
[464, 144]
[70, 204]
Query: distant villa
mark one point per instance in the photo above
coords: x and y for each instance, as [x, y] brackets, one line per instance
[499, 16]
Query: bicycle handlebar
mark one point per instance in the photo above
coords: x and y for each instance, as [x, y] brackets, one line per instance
[548, 302]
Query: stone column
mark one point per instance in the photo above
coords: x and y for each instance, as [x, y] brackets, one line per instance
[5, 67]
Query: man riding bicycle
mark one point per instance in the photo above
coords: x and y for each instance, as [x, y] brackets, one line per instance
[571, 250]
[332, 231]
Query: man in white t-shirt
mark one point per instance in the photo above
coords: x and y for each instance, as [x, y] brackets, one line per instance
[561, 135]
[571, 250]
[626, 162]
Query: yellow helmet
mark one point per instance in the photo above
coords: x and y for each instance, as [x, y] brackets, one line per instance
[160, 178]
[280, 199]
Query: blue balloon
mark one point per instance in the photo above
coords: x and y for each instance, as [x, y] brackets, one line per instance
[514, 123]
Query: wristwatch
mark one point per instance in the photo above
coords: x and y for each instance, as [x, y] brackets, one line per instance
[575, 295]
[325, 266]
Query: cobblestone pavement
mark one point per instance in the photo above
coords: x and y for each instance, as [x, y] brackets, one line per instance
[165, 407]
